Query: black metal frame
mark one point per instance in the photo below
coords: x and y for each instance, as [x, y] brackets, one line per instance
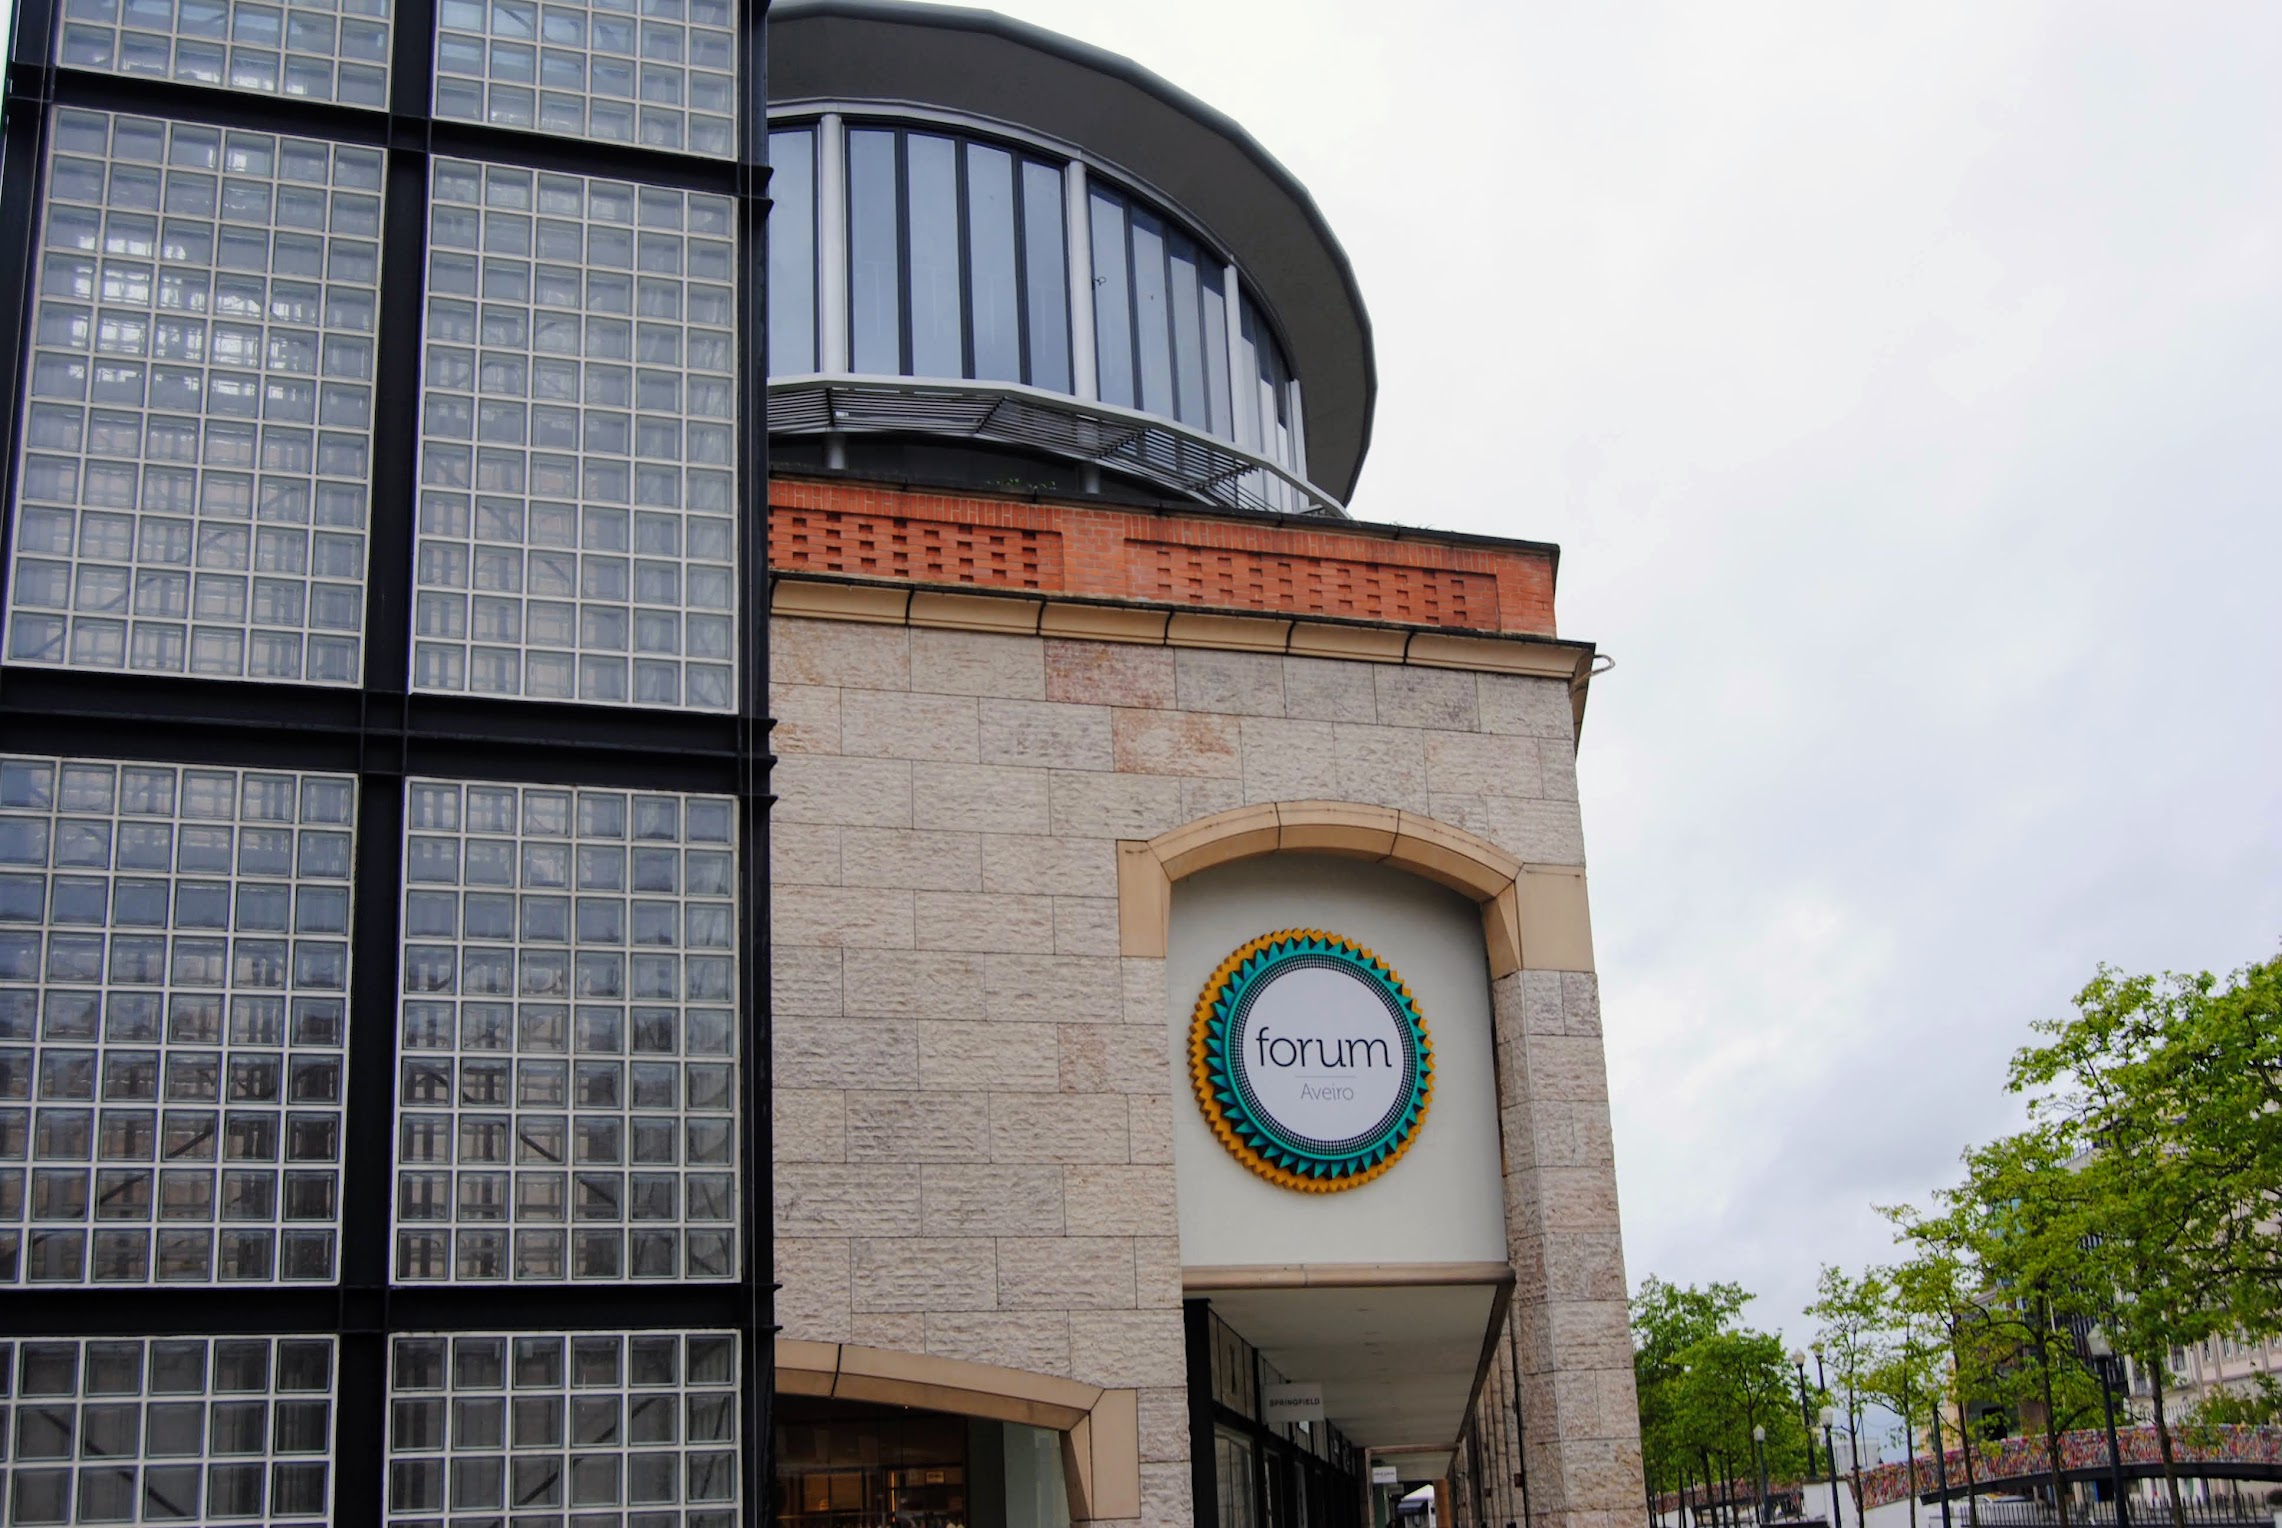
[1127, 204]
[902, 133]
[814, 231]
[382, 732]
[1333, 1495]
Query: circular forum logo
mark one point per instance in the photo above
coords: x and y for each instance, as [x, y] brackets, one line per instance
[1310, 1058]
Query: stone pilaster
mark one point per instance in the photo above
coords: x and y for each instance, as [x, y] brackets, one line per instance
[1579, 1413]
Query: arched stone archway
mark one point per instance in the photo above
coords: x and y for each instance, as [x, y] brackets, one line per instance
[1101, 1429]
[1533, 916]
[1568, 1354]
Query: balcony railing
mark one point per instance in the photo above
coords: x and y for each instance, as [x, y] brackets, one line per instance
[1144, 446]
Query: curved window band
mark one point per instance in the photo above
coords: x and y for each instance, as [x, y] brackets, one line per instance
[958, 267]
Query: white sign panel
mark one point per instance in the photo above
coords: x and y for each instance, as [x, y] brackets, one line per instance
[1292, 1403]
[1325, 1053]
[1311, 1060]
[1385, 1475]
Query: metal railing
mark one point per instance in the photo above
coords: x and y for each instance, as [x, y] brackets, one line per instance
[1157, 451]
[2229, 1511]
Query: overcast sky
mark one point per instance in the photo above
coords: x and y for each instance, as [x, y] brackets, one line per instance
[1901, 384]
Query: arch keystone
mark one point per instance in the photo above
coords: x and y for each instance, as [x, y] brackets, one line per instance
[1338, 827]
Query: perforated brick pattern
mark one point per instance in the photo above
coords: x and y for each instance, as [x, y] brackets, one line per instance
[1329, 569]
[932, 551]
[1207, 575]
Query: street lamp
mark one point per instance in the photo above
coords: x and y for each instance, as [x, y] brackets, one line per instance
[1806, 1422]
[2103, 1355]
[1759, 1457]
[1830, 1420]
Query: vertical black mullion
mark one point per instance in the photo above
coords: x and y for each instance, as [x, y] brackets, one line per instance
[1204, 1482]
[756, 1176]
[903, 249]
[1520, 1415]
[962, 235]
[396, 376]
[368, 1138]
[1132, 298]
[360, 1451]
[1021, 210]
[412, 61]
[1171, 320]
[392, 518]
[23, 149]
[32, 42]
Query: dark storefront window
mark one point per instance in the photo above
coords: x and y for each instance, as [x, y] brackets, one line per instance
[847, 1465]
[1292, 1475]
[849, 1468]
[1232, 1465]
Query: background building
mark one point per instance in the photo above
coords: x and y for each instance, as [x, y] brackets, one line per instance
[380, 861]
[1084, 683]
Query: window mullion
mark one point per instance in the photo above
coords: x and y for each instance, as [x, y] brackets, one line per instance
[1019, 209]
[832, 286]
[1076, 205]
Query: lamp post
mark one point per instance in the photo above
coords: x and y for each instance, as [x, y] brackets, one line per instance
[1806, 1418]
[1853, 1444]
[1830, 1451]
[1759, 1458]
[2104, 1360]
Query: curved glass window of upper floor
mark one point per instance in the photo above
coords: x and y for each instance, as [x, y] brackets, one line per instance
[907, 249]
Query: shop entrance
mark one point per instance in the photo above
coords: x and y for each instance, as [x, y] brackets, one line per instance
[846, 1464]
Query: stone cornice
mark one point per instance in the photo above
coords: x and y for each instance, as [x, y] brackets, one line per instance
[900, 603]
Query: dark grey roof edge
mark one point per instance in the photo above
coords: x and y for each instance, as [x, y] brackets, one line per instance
[959, 18]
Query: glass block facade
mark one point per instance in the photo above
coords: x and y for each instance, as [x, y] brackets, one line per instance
[659, 73]
[567, 1100]
[174, 967]
[170, 1429]
[197, 434]
[314, 50]
[577, 538]
[629, 1428]
[369, 582]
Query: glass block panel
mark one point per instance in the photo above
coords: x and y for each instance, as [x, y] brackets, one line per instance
[577, 533]
[198, 410]
[174, 971]
[566, 1090]
[659, 73]
[632, 1428]
[317, 50]
[168, 1429]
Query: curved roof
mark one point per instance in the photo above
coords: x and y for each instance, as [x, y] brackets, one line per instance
[985, 65]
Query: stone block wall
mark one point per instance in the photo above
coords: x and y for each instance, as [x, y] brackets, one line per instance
[974, 1100]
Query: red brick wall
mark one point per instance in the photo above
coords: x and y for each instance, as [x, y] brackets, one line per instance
[1206, 561]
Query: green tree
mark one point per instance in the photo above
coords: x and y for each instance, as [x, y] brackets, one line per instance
[2168, 1088]
[1906, 1373]
[1668, 1320]
[2016, 1222]
[1851, 1314]
[1937, 1308]
[2260, 1406]
[1705, 1382]
[2186, 1073]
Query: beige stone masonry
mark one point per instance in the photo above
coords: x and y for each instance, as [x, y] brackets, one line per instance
[984, 801]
